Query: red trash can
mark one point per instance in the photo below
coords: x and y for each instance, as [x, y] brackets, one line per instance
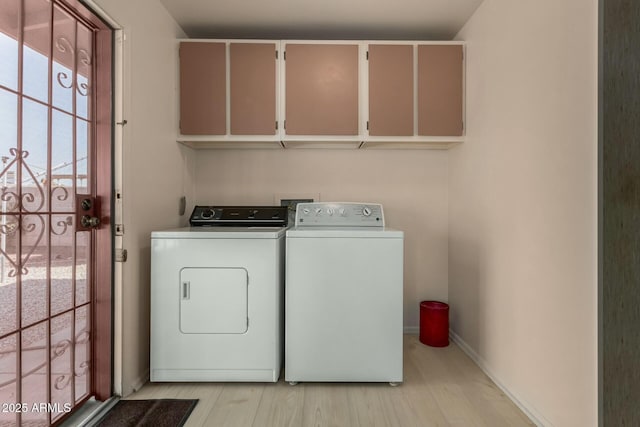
[434, 323]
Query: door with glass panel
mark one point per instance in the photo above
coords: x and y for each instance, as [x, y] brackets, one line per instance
[55, 262]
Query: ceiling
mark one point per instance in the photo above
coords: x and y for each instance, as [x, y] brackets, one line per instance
[327, 19]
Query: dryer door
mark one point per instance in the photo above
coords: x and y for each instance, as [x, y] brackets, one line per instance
[213, 300]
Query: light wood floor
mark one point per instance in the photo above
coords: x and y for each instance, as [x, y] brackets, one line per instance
[442, 387]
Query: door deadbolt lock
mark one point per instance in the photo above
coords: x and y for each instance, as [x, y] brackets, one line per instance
[86, 204]
[89, 221]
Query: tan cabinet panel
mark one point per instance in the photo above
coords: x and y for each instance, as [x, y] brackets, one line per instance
[390, 90]
[253, 88]
[202, 88]
[440, 90]
[321, 89]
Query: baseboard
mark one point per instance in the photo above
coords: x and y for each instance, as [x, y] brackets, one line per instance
[140, 381]
[528, 410]
[411, 330]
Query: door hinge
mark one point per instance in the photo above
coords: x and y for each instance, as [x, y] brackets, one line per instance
[119, 228]
[367, 55]
[121, 255]
[284, 126]
[276, 125]
[367, 124]
[284, 55]
[276, 54]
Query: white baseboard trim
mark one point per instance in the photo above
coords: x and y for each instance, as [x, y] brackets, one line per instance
[528, 410]
[411, 330]
[140, 381]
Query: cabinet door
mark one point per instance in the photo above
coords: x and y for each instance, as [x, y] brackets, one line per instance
[253, 88]
[321, 89]
[391, 90]
[202, 88]
[440, 90]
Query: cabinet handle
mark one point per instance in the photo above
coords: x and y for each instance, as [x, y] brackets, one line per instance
[186, 290]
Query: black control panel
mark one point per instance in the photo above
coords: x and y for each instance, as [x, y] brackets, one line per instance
[233, 216]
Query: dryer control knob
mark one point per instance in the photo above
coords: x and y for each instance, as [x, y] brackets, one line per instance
[330, 211]
[318, 211]
[207, 213]
[366, 211]
[306, 211]
[343, 212]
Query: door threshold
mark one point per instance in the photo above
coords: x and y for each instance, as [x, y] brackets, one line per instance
[90, 412]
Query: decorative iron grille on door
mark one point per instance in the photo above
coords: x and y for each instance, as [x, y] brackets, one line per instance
[47, 133]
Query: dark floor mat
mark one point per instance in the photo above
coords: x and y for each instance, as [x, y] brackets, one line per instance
[148, 413]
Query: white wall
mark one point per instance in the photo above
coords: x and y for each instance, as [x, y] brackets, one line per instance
[523, 200]
[156, 170]
[412, 186]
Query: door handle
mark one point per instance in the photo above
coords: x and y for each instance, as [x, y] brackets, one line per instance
[87, 212]
[186, 290]
[88, 221]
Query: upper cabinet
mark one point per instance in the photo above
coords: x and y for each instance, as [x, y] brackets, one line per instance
[390, 90]
[263, 93]
[415, 94]
[253, 88]
[228, 91]
[440, 90]
[203, 70]
[321, 87]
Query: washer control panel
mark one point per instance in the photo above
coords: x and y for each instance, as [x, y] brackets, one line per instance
[339, 214]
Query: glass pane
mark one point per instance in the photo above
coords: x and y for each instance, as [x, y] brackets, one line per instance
[61, 263]
[45, 133]
[8, 392]
[84, 71]
[36, 50]
[8, 154]
[8, 271]
[62, 87]
[9, 45]
[34, 373]
[83, 139]
[34, 269]
[61, 362]
[34, 147]
[82, 267]
[64, 39]
[83, 352]
[62, 162]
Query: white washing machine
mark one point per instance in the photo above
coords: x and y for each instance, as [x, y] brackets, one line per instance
[344, 295]
[217, 296]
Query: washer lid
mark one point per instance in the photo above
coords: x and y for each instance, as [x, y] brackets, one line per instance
[220, 233]
[344, 232]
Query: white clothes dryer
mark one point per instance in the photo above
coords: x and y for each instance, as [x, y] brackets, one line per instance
[217, 296]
